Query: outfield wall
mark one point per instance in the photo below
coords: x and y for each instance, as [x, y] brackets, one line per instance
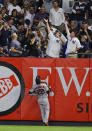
[70, 80]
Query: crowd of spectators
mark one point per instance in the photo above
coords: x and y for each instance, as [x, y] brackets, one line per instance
[46, 28]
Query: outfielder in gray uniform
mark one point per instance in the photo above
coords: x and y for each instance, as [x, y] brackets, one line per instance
[42, 90]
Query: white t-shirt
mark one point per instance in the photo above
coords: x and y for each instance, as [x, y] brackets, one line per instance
[54, 46]
[72, 44]
[11, 8]
[56, 17]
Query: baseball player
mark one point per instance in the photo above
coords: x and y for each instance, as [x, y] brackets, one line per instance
[42, 90]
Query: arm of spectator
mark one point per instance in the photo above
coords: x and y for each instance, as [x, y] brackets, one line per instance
[74, 9]
[47, 24]
[88, 36]
[39, 44]
[50, 34]
[15, 51]
[77, 35]
[2, 52]
[86, 52]
[75, 50]
[26, 35]
[32, 41]
[67, 30]
[62, 40]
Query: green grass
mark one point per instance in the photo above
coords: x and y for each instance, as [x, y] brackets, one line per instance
[43, 128]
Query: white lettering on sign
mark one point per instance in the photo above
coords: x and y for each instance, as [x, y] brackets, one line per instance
[5, 85]
[73, 77]
[35, 73]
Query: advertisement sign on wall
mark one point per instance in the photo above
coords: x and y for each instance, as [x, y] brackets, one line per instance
[70, 80]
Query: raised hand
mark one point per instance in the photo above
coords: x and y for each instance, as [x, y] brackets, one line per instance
[66, 23]
[46, 20]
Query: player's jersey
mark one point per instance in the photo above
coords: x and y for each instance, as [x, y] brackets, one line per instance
[40, 90]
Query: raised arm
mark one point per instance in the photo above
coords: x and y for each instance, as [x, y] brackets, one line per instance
[67, 29]
[47, 24]
[63, 41]
[32, 91]
[15, 51]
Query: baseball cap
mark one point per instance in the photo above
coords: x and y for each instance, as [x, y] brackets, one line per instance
[56, 1]
[85, 22]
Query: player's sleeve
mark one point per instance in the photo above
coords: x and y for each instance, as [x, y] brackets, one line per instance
[47, 88]
[32, 91]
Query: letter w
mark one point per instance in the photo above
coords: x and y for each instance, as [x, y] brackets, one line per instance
[74, 78]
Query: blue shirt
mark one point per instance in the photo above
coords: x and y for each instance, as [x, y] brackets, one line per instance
[17, 46]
